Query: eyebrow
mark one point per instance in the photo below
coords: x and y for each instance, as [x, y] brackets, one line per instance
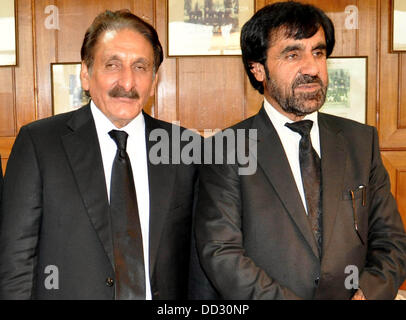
[110, 58]
[320, 46]
[143, 61]
[138, 60]
[294, 47]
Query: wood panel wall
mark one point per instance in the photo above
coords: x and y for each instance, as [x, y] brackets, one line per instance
[203, 92]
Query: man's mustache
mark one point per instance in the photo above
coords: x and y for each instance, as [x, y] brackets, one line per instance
[306, 79]
[120, 92]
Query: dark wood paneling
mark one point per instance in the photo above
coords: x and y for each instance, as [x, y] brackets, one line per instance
[46, 50]
[393, 136]
[402, 92]
[24, 73]
[7, 94]
[367, 46]
[211, 93]
[166, 99]
[395, 163]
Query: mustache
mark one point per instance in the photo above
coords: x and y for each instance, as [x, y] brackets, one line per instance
[306, 79]
[119, 92]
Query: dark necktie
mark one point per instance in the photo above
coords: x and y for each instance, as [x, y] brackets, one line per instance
[127, 237]
[311, 176]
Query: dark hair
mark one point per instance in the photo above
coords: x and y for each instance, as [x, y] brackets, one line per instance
[298, 21]
[122, 19]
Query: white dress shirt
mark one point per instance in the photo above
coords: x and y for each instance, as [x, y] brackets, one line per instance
[290, 142]
[137, 152]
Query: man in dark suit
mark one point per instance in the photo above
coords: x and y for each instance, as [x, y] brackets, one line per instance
[58, 232]
[316, 220]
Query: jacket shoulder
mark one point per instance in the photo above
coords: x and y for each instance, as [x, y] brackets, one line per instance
[54, 123]
[244, 124]
[344, 124]
[153, 123]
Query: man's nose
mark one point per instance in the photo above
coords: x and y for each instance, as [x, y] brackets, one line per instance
[310, 65]
[127, 79]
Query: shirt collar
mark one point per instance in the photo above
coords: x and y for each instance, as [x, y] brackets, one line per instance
[279, 120]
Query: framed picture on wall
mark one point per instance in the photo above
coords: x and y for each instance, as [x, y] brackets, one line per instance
[347, 89]
[8, 27]
[67, 92]
[399, 25]
[206, 27]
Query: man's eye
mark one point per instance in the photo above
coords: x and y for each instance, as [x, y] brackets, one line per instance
[111, 66]
[141, 67]
[318, 53]
[292, 56]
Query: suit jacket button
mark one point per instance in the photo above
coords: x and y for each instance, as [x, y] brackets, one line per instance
[109, 282]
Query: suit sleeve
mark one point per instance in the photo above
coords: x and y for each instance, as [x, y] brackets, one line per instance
[219, 238]
[20, 220]
[200, 287]
[385, 268]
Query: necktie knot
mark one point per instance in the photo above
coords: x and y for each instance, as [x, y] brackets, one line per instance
[120, 138]
[302, 127]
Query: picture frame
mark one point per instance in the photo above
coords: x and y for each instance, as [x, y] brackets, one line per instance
[347, 90]
[67, 92]
[206, 27]
[8, 27]
[398, 39]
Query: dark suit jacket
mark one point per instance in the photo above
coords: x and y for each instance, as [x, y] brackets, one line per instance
[56, 212]
[254, 238]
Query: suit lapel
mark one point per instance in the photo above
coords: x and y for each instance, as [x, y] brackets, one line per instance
[273, 161]
[333, 161]
[83, 152]
[161, 181]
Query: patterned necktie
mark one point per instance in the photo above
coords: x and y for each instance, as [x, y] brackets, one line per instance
[311, 176]
[127, 237]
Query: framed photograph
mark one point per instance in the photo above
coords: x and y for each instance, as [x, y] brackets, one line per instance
[206, 27]
[347, 89]
[67, 92]
[398, 25]
[8, 27]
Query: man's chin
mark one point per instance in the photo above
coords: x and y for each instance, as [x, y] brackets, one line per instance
[310, 105]
[304, 110]
[121, 120]
[124, 110]
[125, 105]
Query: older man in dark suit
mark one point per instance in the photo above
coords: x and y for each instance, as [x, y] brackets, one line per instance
[316, 220]
[90, 210]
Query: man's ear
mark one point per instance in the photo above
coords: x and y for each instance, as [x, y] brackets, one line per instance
[85, 77]
[258, 71]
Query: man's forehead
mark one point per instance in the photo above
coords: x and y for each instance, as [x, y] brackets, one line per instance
[107, 35]
[286, 35]
[113, 42]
